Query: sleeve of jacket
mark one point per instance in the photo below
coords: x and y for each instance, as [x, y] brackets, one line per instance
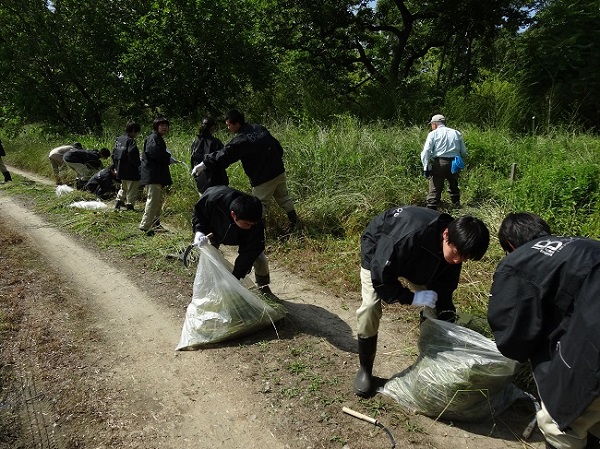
[200, 217]
[133, 154]
[515, 315]
[249, 249]
[427, 153]
[156, 152]
[463, 148]
[385, 270]
[230, 153]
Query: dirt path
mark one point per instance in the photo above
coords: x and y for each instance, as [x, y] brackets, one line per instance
[144, 394]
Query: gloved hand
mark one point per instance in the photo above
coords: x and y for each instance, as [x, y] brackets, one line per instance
[425, 298]
[198, 169]
[427, 173]
[200, 239]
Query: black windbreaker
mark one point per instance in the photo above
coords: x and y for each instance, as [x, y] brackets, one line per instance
[89, 157]
[261, 154]
[213, 176]
[407, 242]
[155, 162]
[212, 213]
[102, 183]
[545, 307]
[126, 158]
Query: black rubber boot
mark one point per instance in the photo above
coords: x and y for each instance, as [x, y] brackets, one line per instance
[118, 205]
[293, 217]
[367, 347]
[263, 283]
[6, 176]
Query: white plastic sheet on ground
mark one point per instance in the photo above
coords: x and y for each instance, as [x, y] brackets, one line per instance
[222, 307]
[460, 375]
[63, 189]
[91, 205]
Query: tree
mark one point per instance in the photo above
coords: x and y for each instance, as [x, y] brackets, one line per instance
[561, 62]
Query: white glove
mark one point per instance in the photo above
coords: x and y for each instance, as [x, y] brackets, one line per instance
[425, 298]
[198, 169]
[200, 239]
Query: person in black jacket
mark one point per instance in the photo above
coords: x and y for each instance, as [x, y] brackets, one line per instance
[411, 255]
[126, 160]
[85, 163]
[103, 183]
[234, 218]
[545, 307]
[204, 144]
[155, 174]
[3, 168]
[261, 155]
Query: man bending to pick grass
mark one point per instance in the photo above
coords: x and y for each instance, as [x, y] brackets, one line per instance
[411, 255]
[545, 307]
[234, 218]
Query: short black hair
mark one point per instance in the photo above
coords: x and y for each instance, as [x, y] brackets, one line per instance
[235, 116]
[132, 127]
[104, 152]
[519, 228]
[159, 121]
[247, 207]
[470, 236]
[77, 145]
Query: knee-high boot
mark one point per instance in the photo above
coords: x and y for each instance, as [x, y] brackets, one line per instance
[367, 347]
[6, 176]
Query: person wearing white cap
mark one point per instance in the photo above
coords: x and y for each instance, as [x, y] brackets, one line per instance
[442, 159]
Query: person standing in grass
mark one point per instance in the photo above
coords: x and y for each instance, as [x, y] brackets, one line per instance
[56, 159]
[126, 160]
[261, 155]
[3, 168]
[411, 255]
[442, 146]
[207, 143]
[545, 308]
[232, 217]
[155, 174]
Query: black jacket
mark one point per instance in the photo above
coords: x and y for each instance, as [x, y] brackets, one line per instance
[212, 213]
[102, 183]
[2, 152]
[155, 161]
[126, 158]
[261, 154]
[407, 242]
[214, 176]
[545, 307]
[89, 157]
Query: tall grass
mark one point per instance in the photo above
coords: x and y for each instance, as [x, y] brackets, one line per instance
[344, 174]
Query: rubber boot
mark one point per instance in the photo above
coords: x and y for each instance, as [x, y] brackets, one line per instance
[118, 205]
[367, 347]
[6, 176]
[293, 217]
[263, 283]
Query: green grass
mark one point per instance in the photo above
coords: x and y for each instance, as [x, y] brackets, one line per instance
[340, 177]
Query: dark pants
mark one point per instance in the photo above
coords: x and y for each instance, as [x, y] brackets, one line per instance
[441, 170]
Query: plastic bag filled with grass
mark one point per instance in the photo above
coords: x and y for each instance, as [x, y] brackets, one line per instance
[459, 375]
[222, 308]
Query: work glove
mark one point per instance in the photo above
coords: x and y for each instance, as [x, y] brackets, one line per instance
[198, 169]
[200, 239]
[427, 173]
[426, 298]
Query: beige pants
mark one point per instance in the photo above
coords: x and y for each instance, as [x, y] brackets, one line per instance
[84, 171]
[369, 313]
[129, 191]
[576, 436]
[153, 206]
[275, 188]
[261, 265]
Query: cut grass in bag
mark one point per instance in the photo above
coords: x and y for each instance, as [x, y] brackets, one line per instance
[460, 375]
[222, 308]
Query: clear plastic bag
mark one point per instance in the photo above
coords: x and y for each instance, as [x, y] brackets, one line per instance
[460, 375]
[222, 307]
